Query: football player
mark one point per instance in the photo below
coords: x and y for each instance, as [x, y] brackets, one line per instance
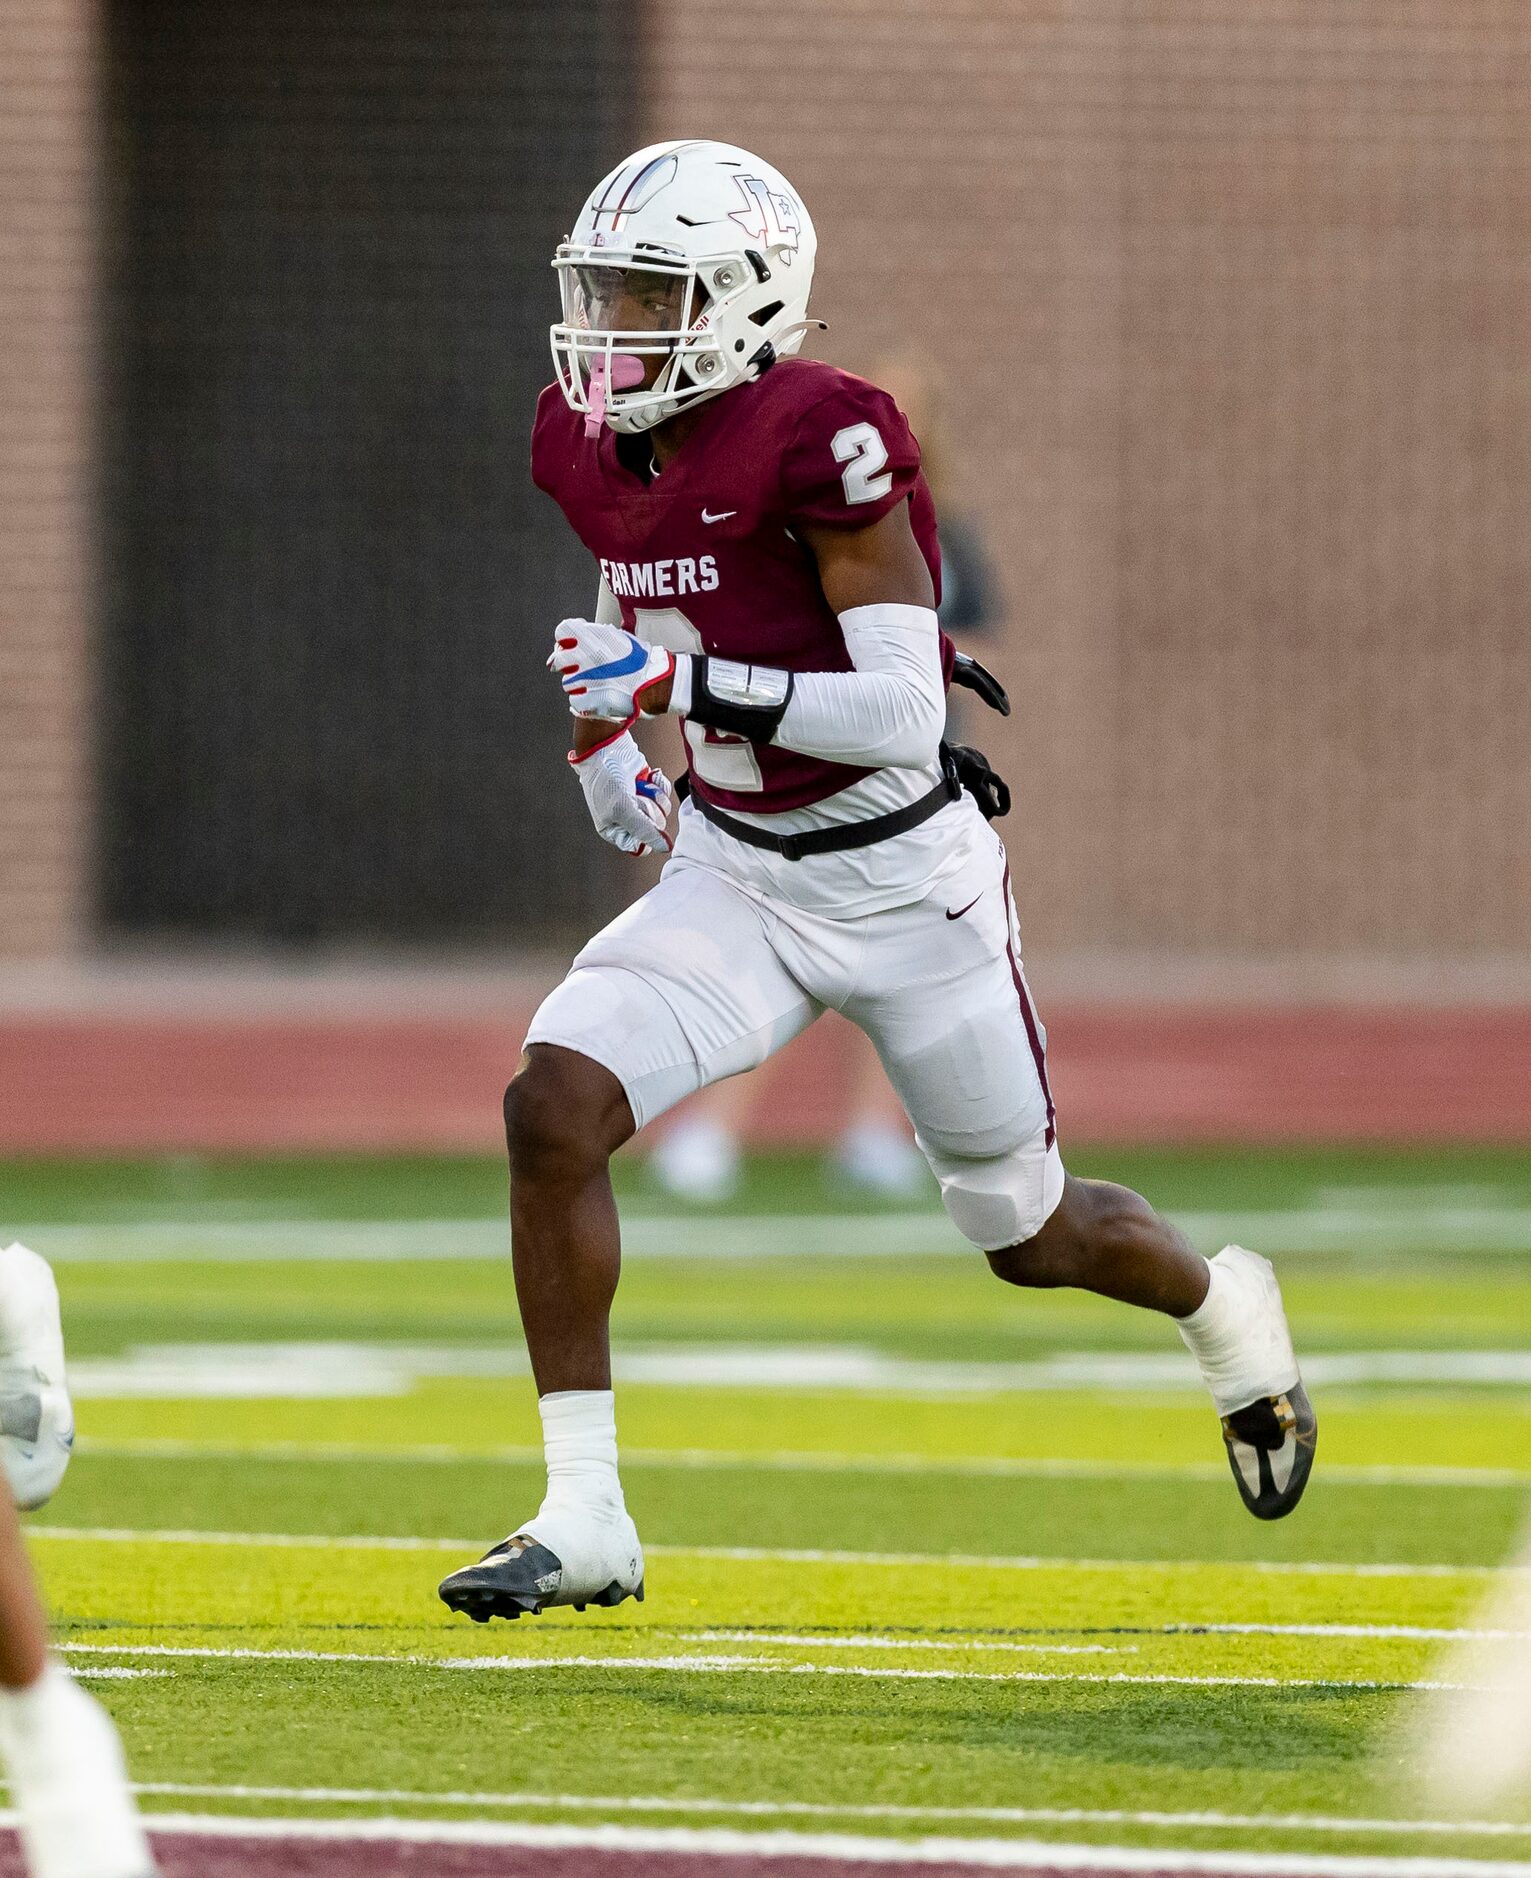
[769, 574]
[57, 1744]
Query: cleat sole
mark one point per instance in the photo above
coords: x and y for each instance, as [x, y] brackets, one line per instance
[516, 1587]
[1266, 1431]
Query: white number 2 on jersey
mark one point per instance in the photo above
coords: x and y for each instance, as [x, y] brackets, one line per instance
[724, 761]
[861, 449]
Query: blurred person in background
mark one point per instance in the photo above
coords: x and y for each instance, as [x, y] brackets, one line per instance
[699, 1157]
[60, 1751]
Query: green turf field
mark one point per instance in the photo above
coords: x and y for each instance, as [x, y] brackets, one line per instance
[926, 1553]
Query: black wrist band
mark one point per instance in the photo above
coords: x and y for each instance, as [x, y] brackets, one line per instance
[744, 700]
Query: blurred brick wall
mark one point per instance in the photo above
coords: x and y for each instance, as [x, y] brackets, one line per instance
[1233, 304]
[47, 109]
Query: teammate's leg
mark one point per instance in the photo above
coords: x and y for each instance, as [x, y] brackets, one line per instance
[57, 1744]
[23, 1629]
[36, 1419]
[683, 989]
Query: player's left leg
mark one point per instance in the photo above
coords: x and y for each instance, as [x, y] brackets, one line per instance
[682, 990]
[58, 1746]
[1107, 1239]
[945, 1000]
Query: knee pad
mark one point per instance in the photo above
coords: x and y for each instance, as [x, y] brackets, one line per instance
[1002, 1200]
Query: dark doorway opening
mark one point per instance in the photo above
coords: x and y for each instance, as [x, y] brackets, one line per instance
[329, 582]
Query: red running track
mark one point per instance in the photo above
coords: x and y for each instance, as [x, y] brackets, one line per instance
[154, 1083]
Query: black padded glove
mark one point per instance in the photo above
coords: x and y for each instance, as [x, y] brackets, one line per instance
[972, 676]
[980, 778]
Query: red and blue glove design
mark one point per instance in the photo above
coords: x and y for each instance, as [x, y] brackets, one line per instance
[605, 670]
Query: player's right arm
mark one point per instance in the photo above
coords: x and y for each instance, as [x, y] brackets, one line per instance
[888, 712]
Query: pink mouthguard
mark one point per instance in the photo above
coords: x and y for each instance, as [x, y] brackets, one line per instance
[626, 371]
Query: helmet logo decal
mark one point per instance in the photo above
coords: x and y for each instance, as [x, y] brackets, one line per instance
[629, 189]
[768, 216]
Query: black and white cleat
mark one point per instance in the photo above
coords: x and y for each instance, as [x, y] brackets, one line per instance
[1270, 1449]
[519, 1578]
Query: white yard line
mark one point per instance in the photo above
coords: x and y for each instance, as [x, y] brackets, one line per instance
[792, 1461]
[343, 1368]
[322, 1241]
[1420, 1633]
[742, 1665]
[810, 1809]
[376, 1542]
[1424, 1633]
[859, 1642]
[1302, 1568]
[362, 1542]
[1363, 1222]
[725, 1842]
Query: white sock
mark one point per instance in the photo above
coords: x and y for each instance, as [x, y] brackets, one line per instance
[1238, 1332]
[69, 1783]
[579, 1438]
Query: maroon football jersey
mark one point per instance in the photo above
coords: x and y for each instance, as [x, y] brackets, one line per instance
[706, 556]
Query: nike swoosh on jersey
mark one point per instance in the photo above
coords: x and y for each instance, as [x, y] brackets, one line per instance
[966, 909]
[721, 516]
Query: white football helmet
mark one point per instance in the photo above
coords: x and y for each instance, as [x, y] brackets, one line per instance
[688, 271]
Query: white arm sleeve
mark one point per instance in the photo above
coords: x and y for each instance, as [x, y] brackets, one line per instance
[608, 608]
[887, 714]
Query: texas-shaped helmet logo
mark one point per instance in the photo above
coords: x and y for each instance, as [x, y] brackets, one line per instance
[768, 216]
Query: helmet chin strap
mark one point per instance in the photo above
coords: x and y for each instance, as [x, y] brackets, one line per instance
[626, 372]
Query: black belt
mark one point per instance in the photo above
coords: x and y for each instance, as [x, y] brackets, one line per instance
[840, 835]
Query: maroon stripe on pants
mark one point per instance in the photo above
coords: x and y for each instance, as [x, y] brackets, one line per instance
[1028, 1015]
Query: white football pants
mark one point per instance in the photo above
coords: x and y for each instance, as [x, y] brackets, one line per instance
[704, 977]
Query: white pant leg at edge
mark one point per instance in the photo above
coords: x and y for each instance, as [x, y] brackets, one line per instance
[682, 989]
[943, 997]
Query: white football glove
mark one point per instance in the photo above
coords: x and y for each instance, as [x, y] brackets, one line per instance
[604, 670]
[629, 800]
